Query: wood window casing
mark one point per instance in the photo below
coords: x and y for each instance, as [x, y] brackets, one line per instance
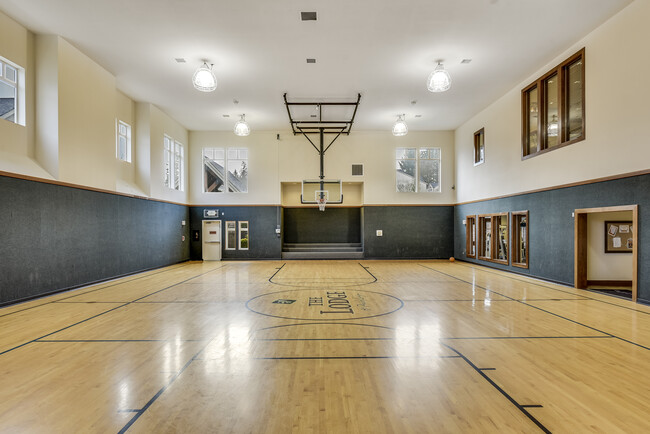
[470, 237]
[484, 238]
[519, 245]
[566, 119]
[479, 147]
[494, 238]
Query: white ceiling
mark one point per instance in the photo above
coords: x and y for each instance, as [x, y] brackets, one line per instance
[383, 49]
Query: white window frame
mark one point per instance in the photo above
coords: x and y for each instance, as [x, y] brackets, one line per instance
[233, 229]
[417, 160]
[179, 166]
[248, 235]
[127, 138]
[173, 164]
[227, 173]
[19, 89]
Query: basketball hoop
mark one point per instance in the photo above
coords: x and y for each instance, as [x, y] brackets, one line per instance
[321, 197]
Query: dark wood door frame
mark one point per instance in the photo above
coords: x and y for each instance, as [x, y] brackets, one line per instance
[580, 243]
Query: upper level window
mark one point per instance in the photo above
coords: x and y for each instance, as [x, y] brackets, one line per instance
[11, 92]
[417, 170]
[225, 167]
[479, 147]
[174, 163]
[124, 141]
[553, 108]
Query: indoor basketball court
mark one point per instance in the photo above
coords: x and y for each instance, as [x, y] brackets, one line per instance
[324, 346]
[324, 217]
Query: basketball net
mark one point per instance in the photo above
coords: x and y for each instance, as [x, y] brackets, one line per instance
[321, 203]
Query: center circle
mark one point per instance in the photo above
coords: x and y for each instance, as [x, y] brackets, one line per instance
[328, 304]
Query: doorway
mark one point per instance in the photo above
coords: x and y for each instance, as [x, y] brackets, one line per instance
[582, 236]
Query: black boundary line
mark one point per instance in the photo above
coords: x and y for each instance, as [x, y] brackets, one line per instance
[350, 357]
[549, 287]
[531, 337]
[322, 284]
[162, 390]
[92, 290]
[324, 323]
[487, 369]
[105, 312]
[113, 340]
[541, 309]
[276, 272]
[324, 339]
[316, 319]
[491, 299]
[533, 406]
[498, 388]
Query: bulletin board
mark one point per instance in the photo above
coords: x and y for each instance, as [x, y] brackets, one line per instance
[618, 237]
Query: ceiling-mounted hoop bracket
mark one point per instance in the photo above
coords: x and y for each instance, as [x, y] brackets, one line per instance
[311, 126]
[320, 126]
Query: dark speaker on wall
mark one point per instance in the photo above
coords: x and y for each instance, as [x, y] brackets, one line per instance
[357, 170]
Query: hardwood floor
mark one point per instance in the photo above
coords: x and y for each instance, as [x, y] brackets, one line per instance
[325, 347]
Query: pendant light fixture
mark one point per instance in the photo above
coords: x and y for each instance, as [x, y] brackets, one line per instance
[241, 127]
[204, 79]
[400, 128]
[439, 80]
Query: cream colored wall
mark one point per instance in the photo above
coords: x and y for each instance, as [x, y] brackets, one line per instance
[601, 265]
[352, 195]
[263, 160]
[17, 44]
[292, 159]
[615, 68]
[159, 125]
[126, 171]
[72, 107]
[87, 107]
[142, 152]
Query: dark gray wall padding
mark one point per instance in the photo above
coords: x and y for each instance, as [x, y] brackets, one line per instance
[409, 232]
[551, 225]
[334, 225]
[264, 243]
[55, 237]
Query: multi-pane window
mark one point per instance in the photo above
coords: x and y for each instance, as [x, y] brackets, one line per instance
[479, 147]
[243, 235]
[553, 108]
[179, 158]
[417, 170]
[470, 236]
[8, 91]
[174, 163]
[124, 141]
[519, 249]
[231, 235]
[225, 170]
[485, 237]
[494, 237]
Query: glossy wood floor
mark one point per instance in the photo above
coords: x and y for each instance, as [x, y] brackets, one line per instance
[325, 347]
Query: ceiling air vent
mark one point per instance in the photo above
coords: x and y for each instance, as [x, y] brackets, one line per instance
[308, 16]
[311, 60]
[357, 170]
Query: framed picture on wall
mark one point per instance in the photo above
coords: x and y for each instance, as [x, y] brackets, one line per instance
[618, 237]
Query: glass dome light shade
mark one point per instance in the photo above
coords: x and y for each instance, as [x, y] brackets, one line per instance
[400, 128]
[439, 80]
[241, 127]
[204, 79]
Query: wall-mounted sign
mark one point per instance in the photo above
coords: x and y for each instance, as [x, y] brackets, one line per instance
[211, 213]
